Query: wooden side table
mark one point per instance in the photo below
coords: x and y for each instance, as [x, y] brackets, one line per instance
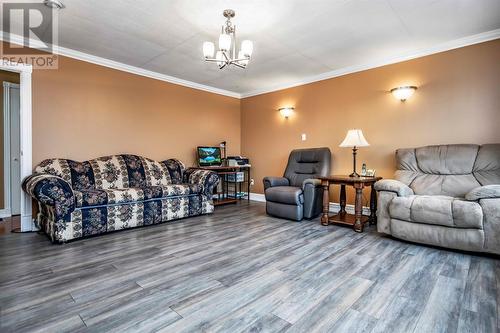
[342, 217]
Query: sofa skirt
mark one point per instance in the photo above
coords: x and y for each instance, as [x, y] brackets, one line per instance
[455, 238]
[96, 220]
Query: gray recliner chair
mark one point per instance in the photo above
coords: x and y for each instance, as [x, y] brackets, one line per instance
[445, 195]
[298, 194]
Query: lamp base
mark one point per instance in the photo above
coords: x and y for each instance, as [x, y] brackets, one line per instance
[354, 175]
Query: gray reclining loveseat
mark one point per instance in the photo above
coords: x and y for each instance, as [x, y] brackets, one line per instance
[446, 195]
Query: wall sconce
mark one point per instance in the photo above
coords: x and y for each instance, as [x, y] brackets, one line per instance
[403, 93]
[286, 112]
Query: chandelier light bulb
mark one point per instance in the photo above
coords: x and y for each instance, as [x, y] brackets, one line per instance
[247, 48]
[220, 58]
[242, 56]
[224, 42]
[208, 49]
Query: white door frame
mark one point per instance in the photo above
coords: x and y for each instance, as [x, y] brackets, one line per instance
[24, 71]
[7, 159]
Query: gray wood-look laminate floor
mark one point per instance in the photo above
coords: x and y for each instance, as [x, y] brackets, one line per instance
[241, 271]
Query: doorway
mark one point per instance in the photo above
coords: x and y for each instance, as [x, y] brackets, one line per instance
[10, 171]
[22, 73]
[11, 148]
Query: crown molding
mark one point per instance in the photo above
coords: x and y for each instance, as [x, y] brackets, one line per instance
[454, 44]
[59, 50]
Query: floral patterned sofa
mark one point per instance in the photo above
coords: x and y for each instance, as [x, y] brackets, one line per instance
[79, 199]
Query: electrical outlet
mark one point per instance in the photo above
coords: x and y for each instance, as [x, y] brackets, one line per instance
[304, 137]
[252, 182]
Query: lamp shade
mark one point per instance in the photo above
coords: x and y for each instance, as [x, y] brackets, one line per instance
[286, 112]
[354, 138]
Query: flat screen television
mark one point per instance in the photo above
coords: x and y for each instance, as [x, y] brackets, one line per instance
[209, 156]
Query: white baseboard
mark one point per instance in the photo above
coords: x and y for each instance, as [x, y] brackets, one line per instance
[334, 206]
[257, 197]
[4, 213]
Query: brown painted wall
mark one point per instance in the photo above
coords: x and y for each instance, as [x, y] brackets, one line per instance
[458, 101]
[12, 77]
[83, 111]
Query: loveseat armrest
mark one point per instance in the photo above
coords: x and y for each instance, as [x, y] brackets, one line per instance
[52, 191]
[206, 179]
[275, 181]
[395, 186]
[484, 192]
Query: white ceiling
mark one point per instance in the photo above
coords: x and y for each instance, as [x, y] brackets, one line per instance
[293, 39]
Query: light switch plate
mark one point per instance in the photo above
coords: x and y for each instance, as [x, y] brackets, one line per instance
[304, 137]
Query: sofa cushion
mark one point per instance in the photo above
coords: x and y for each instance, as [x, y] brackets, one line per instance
[437, 210]
[115, 171]
[135, 171]
[110, 172]
[176, 169]
[451, 170]
[285, 194]
[90, 198]
[156, 173]
[447, 159]
[446, 185]
[82, 176]
[487, 166]
[175, 190]
[96, 197]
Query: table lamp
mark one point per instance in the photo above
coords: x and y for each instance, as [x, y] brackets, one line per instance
[354, 139]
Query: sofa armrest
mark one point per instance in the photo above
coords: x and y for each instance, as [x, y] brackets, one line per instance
[484, 192]
[52, 191]
[204, 178]
[491, 224]
[275, 181]
[395, 186]
[311, 182]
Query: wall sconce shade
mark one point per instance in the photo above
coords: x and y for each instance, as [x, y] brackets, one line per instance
[286, 112]
[403, 93]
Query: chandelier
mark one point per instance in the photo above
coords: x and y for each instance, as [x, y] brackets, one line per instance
[226, 54]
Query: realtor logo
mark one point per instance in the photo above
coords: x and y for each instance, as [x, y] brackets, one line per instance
[29, 33]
